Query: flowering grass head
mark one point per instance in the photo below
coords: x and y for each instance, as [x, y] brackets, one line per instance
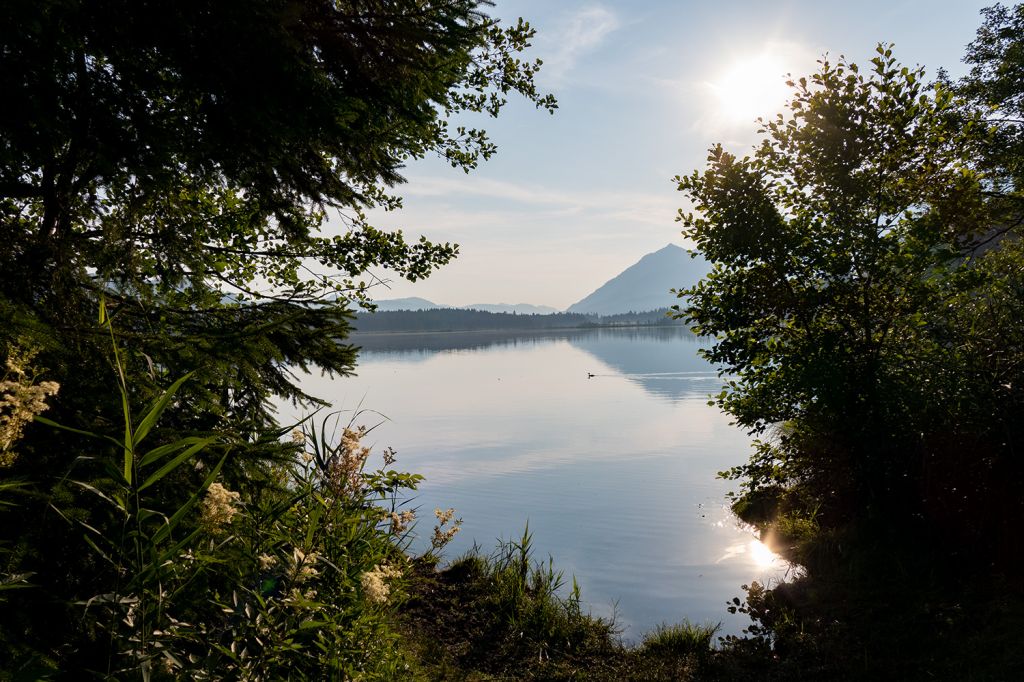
[400, 521]
[375, 584]
[21, 398]
[218, 507]
[443, 532]
[303, 565]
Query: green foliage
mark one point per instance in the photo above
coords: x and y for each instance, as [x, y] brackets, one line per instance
[823, 240]
[131, 532]
[506, 614]
[292, 581]
[205, 170]
[10, 580]
[866, 308]
[191, 164]
[296, 102]
[847, 251]
[681, 640]
[526, 600]
[303, 582]
[904, 625]
[995, 85]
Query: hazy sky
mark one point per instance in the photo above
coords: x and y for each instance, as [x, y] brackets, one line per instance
[644, 88]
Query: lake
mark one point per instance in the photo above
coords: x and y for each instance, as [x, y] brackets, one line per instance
[615, 473]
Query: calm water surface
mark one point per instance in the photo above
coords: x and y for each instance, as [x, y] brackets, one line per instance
[615, 474]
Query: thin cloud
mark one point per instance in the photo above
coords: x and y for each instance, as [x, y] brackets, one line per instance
[495, 189]
[584, 31]
[628, 207]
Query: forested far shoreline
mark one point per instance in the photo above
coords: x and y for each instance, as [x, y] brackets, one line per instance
[457, 319]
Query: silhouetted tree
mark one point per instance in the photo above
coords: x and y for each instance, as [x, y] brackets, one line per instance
[848, 300]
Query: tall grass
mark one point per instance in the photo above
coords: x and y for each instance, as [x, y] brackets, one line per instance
[681, 640]
[506, 614]
[528, 601]
[132, 532]
[294, 575]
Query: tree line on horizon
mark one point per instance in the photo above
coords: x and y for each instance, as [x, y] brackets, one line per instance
[457, 319]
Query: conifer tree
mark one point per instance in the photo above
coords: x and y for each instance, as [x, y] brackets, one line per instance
[205, 168]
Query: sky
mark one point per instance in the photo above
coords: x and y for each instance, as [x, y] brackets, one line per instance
[644, 89]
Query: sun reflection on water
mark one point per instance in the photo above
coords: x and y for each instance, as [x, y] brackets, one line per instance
[762, 555]
[756, 552]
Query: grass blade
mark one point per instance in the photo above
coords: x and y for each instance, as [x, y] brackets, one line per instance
[176, 462]
[162, 451]
[159, 405]
[172, 522]
[50, 422]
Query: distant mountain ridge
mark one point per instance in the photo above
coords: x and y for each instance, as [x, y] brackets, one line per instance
[411, 303]
[416, 303]
[645, 285]
[642, 287]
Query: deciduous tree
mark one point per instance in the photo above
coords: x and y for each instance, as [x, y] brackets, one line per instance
[852, 254]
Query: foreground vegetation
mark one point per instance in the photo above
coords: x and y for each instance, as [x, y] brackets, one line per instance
[174, 168]
[509, 616]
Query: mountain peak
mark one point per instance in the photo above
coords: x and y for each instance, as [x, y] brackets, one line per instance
[645, 285]
[410, 303]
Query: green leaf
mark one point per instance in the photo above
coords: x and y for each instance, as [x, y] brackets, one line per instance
[171, 553]
[50, 422]
[129, 451]
[176, 462]
[10, 486]
[99, 493]
[159, 405]
[312, 624]
[159, 452]
[314, 522]
[176, 518]
[269, 585]
[104, 555]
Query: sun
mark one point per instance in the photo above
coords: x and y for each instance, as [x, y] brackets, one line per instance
[751, 87]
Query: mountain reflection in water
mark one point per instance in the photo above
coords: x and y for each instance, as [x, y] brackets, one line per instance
[646, 356]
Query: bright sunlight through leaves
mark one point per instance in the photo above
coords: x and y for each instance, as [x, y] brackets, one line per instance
[751, 87]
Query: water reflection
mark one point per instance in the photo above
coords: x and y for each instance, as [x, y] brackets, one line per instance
[420, 346]
[652, 360]
[647, 357]
[757, 552]
[615, 474]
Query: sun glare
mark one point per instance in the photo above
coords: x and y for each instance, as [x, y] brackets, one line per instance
[751, 87]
